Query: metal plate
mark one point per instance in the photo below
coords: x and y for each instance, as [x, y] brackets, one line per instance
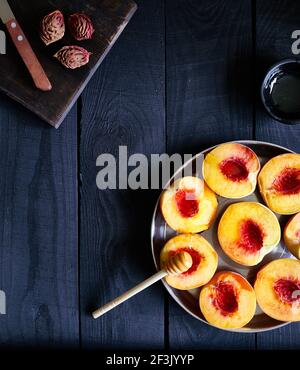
[161, 232]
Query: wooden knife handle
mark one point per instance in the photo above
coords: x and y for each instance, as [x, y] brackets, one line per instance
[33, 65]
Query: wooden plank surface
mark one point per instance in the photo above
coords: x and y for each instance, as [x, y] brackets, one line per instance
[179, 79]
[123, 105]
[38, 230]
[275, 22]
[209, 100]
[109, 19]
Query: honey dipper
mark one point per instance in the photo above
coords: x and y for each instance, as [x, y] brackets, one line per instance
[176, 265]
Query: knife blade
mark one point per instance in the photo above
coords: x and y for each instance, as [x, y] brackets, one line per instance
[6, 13]
[20, 41]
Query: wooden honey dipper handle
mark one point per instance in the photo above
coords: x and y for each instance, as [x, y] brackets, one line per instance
[178, 264]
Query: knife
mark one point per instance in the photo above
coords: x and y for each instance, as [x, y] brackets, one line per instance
[34, 67]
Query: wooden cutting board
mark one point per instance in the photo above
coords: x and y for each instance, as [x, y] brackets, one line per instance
[109, 18]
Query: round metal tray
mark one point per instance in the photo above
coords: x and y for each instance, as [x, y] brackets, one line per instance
[161, 232]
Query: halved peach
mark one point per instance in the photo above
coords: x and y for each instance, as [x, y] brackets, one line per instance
[277, 289]
[247, 232]
[279, 183]
[205, 260]
[188, 205]
[228, 301]
[292, 235]
[231, 169]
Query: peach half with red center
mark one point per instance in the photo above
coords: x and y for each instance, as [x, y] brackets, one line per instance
[277, 289]
[231, 169]
[292, 235]
[228, 301]
[279, 183]
[188, 205]
[247, 232]
[205, 260]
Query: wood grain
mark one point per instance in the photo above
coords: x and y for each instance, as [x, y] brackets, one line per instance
[179, 79]
[180, 263]
[109, 19]
[275, 25]
[38, 230]
[275, 22]
[123, 105]
[209, 100]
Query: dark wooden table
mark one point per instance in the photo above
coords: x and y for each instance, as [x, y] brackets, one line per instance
[183, 76]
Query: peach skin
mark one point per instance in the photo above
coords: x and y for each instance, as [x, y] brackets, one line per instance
[292, 235]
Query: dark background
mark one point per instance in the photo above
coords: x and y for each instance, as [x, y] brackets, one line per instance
[183, 76]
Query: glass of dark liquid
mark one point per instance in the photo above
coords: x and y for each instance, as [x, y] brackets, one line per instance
[280, 91]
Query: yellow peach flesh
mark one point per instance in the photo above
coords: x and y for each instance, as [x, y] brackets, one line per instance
[239, 302]
[277, 289]
[292, 235]
[247, 232]
[231, 169]
[205, 260]
[201, 194]
[279, 183]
